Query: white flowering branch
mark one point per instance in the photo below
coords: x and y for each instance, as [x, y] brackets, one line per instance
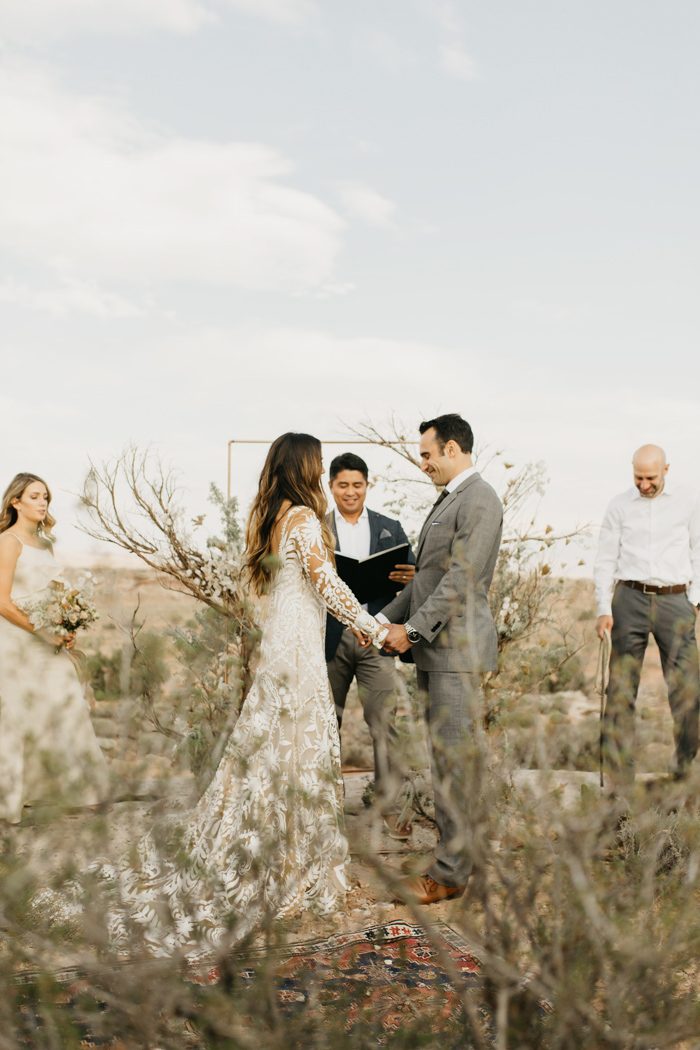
[132, 503]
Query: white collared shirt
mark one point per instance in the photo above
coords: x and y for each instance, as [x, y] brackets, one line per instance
[653, 541]
[353, 536]
[456, 482]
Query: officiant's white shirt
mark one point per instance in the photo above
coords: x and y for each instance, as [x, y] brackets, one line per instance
[353, 537]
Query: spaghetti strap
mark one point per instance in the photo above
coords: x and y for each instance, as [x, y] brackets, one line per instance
[16, 537]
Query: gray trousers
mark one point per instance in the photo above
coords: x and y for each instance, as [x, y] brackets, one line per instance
[452, 704]
[670, 618]
[376, 687]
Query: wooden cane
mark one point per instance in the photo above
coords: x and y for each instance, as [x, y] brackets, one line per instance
[601, 684]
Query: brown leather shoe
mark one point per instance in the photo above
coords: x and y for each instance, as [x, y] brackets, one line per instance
[396, 829]
[423, 889]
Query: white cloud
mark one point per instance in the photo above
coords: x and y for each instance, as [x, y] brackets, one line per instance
[88, 190]
[387, 52]
[29, 20]
[454, 55]
[540, 310]
[457, 62]
[25, 20]
[366, 203]
[284, 11]
[334, 289]
[67, 297]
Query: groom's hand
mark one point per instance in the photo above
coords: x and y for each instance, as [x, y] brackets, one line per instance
[397, 640]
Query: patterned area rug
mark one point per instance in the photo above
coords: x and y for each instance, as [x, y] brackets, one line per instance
[385, 978]
[389, 977]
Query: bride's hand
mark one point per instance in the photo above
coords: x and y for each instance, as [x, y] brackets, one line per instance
[61, 641]
[362, 638]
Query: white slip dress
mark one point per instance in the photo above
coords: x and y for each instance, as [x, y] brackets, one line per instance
[48, 748]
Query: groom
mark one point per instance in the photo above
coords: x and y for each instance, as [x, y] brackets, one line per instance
[443, 616]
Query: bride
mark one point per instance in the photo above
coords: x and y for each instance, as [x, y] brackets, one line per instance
[266, 838]
[48, 749]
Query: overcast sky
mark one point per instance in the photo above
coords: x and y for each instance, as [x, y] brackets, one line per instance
[229, 218]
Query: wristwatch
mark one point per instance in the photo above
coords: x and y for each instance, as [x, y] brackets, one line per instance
[412, 633]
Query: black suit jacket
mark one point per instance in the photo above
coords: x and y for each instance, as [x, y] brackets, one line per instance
[383, 533]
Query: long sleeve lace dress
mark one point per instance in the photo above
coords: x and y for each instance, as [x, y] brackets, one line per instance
[266, 837]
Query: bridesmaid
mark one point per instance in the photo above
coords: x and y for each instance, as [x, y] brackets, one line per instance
[48, 748]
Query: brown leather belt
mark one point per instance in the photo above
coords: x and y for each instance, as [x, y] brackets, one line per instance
[651, 588]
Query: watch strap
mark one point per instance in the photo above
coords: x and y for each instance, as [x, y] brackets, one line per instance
[413, 635]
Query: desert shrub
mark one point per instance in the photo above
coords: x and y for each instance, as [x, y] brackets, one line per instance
[584, 915]
[104, 674]
[148, 670]
[137, 670]
[209, 689]
[132, 503]
[547, 668]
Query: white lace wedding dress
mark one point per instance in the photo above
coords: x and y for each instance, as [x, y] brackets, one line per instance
[48, 748]
[266, 838]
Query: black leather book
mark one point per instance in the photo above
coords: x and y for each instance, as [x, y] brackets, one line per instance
[368, 578]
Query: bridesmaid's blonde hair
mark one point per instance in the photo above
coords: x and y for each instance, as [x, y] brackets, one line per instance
[15, 490]
[292, 471]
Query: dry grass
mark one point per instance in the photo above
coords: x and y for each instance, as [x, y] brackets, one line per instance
[605, 923]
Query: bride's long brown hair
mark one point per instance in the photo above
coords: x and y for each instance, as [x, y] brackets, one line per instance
[15, 490]
[292, 471]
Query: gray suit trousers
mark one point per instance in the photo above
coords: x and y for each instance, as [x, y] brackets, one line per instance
[670, 618]
[452, 705]
[376, 687]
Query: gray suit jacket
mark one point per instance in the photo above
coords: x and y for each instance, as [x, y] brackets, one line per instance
[447, 601]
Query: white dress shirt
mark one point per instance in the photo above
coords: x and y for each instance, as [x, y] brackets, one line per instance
[456, 482]
[653, 541]
[353, 536]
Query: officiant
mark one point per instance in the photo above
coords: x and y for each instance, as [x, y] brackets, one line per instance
[360, 532]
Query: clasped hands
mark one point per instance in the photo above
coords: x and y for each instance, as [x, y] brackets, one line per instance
[395, 641]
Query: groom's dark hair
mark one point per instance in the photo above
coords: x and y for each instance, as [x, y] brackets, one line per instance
[450, 427]
[347, 461]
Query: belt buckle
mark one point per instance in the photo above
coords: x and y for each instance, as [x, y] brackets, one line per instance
[645, 591]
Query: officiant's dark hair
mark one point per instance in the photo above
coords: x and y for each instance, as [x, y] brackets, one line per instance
[15, 490]
[450, 427]
[347, 461]
[292, 471]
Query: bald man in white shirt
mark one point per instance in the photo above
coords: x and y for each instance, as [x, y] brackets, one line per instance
[647, 579]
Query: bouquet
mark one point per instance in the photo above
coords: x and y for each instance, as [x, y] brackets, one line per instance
[63, 609]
